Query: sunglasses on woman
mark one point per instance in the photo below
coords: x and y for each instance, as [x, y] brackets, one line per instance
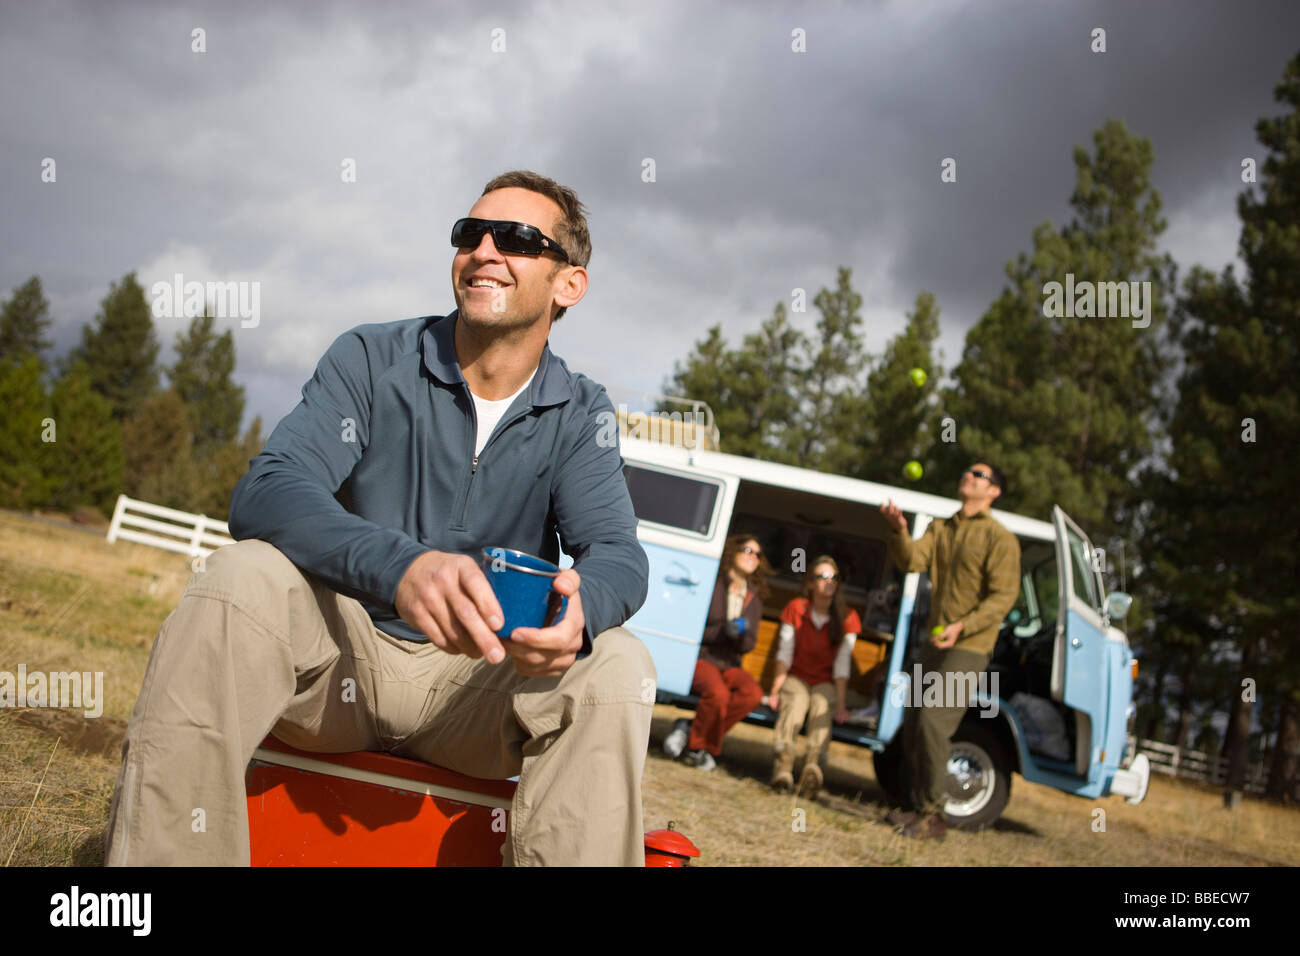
[507, 236]
[826, 576]
[748, 550]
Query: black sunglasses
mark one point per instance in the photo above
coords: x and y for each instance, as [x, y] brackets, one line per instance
[976, 473]
[517, 237]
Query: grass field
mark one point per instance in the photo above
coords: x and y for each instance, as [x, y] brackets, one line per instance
[71, 601]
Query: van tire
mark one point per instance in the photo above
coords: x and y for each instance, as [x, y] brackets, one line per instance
[891, 772]
[980, 794]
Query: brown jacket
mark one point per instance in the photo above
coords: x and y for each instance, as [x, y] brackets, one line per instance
[717, 646]
[974, 566]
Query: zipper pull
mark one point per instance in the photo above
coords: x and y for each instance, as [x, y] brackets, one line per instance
[473, 466]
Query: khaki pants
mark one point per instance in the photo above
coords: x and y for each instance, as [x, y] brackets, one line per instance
[256, 646]
[817, 704]
[927, 731]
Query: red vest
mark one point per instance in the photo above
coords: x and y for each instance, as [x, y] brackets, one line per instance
[813, 654]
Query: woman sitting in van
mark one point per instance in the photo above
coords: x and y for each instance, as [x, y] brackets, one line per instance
[813, 660]
[727, 692]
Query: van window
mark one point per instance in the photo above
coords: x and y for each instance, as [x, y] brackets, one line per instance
[1085, 581]
[673, 500]
[1047, 592]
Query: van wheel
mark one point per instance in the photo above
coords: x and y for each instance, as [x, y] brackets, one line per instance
[888, 764]
[979, 778]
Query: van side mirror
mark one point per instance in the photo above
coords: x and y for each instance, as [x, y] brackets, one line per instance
[1117, 605]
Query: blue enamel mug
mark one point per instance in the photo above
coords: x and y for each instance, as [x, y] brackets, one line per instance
[523, 586]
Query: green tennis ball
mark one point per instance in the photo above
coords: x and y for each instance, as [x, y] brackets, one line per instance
[937, 630]
[912, 470]
[918, 376]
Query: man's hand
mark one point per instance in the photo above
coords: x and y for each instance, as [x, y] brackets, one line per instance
[550, 651]
[448, 599]
[842, 714]
[894, 515]
[948, 637]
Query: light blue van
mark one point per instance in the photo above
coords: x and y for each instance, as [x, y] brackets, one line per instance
[1063, 672]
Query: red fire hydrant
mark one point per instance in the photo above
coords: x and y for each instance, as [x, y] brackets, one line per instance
[668, 848]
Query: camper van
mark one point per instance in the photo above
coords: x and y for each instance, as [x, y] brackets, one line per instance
[1057, 706]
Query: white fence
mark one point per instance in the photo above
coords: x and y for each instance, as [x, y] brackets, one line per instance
[1194, 765]
[180, 531]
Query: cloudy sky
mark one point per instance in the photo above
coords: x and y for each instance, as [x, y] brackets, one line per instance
[772, 167]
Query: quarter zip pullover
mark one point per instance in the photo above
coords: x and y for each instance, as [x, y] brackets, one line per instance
[387, 425]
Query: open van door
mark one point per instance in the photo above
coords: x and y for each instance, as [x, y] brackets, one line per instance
[1079, 655]
[683, 514]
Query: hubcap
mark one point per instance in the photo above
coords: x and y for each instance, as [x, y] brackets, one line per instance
[971, 779]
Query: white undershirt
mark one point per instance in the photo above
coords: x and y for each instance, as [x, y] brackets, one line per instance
[490, 412]
[735, 604]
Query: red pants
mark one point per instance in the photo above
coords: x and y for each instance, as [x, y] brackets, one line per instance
[725, 698]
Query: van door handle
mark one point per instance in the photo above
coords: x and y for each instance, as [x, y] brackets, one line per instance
[684, 581]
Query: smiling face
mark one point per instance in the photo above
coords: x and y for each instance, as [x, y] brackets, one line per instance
[747, 557]
[511, 290]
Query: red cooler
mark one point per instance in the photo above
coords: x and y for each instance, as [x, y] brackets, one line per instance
[370, 809]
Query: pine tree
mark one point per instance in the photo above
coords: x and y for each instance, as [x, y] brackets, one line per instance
[1066, 406]
[23, 480]
[1234, 466]
[160, 463]
[201, 377]
[829, 374]
[895, 420]
[706, 375]
[23, 321]
[85, 461]
[767, 369]
[221, 471]
[752, 390]
[121, 350]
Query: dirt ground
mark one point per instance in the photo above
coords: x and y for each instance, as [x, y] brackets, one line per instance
[737, 820]
[71, 601]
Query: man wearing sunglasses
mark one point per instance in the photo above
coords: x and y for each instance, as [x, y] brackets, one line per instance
[974, 567]
[352, 613]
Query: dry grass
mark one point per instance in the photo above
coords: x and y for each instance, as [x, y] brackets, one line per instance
[53, 799]
[69, 600]
[736, 820]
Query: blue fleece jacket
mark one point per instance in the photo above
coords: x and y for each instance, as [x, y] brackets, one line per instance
[376, 466]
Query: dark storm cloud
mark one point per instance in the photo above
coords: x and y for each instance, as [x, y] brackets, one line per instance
[847, 140]
[772, 167]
